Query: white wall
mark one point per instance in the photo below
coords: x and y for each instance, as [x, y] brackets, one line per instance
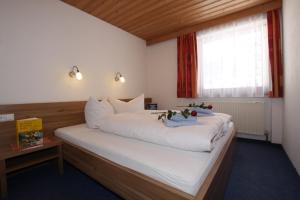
[40, 40]
[161, 62]
[291, 28]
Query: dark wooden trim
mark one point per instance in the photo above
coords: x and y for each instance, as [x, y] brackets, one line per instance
[60, 161]
[131, 185]
[3, 183]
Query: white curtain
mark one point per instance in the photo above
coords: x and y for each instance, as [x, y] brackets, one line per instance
[233, 59]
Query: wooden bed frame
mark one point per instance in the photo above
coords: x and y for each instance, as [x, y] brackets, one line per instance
[127, 183]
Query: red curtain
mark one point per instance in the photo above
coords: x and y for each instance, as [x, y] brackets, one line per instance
[275, 53]
[187, 66]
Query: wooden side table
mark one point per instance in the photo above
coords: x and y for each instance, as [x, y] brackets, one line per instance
[13, 158]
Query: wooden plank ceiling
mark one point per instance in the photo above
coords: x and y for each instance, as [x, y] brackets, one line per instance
[159, 20]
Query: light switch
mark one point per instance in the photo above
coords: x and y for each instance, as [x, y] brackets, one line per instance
[7, 117]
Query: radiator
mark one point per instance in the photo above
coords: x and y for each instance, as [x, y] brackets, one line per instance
[248, 117]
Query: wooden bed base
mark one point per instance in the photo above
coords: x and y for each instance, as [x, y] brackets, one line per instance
[132, 185]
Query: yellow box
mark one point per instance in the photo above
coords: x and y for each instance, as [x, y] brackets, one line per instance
[30, 124]
[29, 132]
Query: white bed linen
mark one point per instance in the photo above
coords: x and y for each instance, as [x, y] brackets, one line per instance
[145, 126]
[184, 170]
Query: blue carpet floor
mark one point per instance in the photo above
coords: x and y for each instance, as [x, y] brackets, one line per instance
[261, 171]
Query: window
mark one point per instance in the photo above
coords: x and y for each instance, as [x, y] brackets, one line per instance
[233, 59]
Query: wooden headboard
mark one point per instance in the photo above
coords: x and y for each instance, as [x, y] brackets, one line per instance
[54, 115]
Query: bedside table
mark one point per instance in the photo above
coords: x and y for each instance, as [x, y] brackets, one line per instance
[13, 158]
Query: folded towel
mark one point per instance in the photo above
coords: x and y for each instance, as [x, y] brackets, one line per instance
[170, 123]
[180, 118]
[203, 111]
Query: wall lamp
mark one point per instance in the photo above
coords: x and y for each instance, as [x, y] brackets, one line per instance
[75, 73]
[119, 77]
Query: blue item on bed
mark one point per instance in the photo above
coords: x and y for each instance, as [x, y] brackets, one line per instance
[202, 111]
[171, 123]
[180, 118]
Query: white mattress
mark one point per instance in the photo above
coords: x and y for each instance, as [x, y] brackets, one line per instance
[184, 170]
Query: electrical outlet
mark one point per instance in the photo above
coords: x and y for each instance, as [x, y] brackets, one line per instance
[7, 117]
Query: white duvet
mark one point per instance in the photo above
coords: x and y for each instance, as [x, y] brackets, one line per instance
[145, 126]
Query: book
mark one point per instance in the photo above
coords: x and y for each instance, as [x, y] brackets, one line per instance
[29, 132]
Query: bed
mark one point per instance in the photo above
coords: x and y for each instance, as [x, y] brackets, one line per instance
[125, 180]
[137, 169]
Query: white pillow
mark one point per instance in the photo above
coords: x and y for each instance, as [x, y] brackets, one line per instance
[134, 105]
[95, 111]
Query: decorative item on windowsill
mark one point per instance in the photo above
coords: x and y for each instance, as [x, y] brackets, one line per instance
[176, 119]
[201, 109]
[119, 77]
[29, 133]
[75, 73]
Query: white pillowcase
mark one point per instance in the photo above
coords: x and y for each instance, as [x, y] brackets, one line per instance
[135, 105]
[95, 111]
